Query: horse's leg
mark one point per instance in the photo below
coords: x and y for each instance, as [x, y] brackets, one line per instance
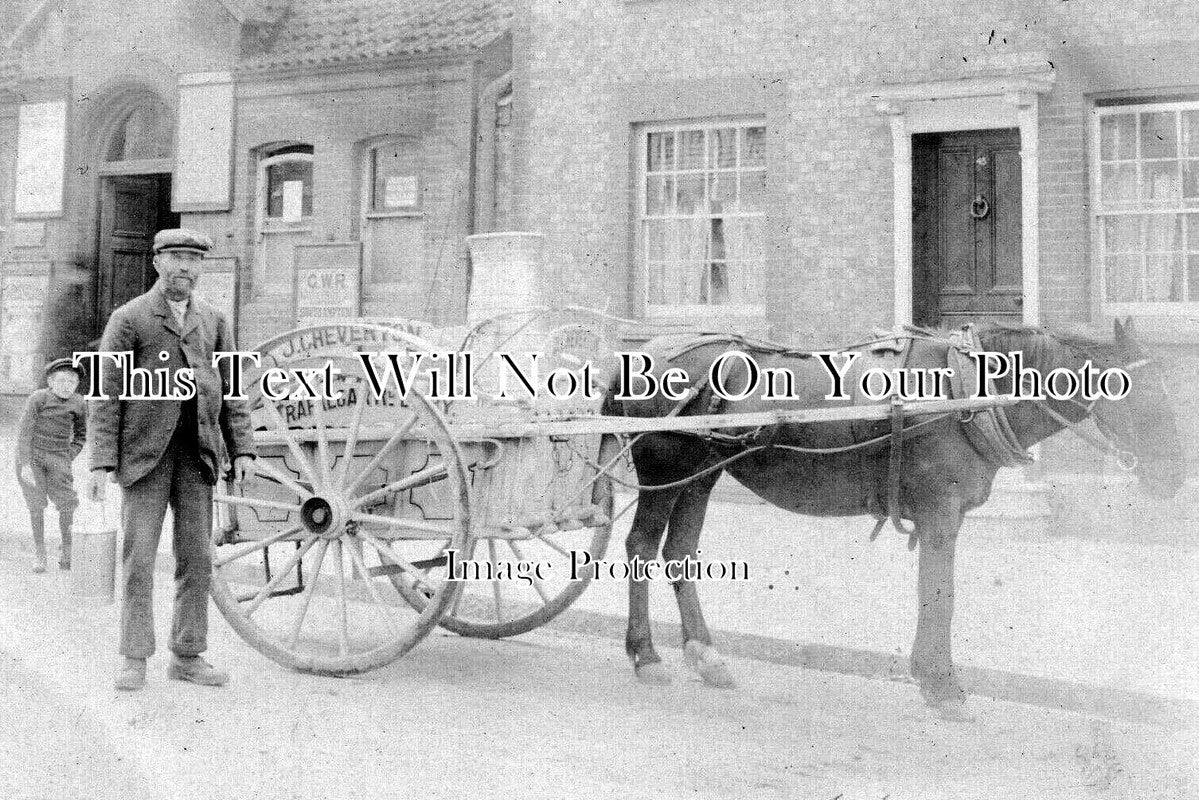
[653, 511]
[682, 541]
[932, 660]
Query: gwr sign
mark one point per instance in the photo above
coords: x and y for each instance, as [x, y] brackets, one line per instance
[327, 282]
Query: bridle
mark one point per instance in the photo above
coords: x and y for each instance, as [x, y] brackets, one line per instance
[1111, 443]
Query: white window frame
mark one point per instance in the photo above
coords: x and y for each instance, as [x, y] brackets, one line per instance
[368, 216]
[265, 224]
[692, 310]
[1168, 308]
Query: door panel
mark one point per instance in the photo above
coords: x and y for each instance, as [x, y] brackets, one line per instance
[967, 227]
[132, 209]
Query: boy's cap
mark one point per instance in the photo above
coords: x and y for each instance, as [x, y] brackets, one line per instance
[59, 364]
[181, 239]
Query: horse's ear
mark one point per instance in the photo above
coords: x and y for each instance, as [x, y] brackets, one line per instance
[1118, 330]
[1129, 331]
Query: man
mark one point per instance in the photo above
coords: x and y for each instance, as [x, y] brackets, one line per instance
[167, 452]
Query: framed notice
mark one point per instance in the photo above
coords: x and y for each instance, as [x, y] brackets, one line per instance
[218, 287]
[204, 154]
[41, 159]
[22, 307]
[327, 282]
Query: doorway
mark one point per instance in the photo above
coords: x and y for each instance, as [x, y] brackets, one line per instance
[132, 209]
[967, 228]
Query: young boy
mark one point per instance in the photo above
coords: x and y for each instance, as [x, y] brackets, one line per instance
[51, 434]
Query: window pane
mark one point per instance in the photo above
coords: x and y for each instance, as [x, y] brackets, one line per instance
[753, 147]
[722, 191]
[659, 190]
[1193, 278]
[1163, 233]
[283, 180]
[1159, 183]
[1190, 183]
[1192, 223]
[396, 183]
[1118, 137]
[655, 239]
[753, 191]
[1190, 133]
[690, 194]
[691, 150]
[660, 154]
[1119, 185]
[1123, 274]
[723, 145]
[1122, 234]
[1159, 135]
[1163, 277]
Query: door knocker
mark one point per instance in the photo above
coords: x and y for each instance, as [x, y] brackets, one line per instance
[980, 207]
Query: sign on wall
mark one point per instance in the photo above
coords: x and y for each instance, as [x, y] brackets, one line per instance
[327, 283]
[204, 152]
[41, 159]
[218, 287]
[22, 306]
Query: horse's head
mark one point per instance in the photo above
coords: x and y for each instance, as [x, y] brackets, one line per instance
[1142, 424]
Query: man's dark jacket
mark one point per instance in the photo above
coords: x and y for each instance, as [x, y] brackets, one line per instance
[131, 436]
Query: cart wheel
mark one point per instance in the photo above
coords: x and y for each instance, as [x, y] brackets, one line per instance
[305, 568]
[495, 609]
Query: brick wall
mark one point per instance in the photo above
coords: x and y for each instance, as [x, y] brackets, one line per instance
[593, 70]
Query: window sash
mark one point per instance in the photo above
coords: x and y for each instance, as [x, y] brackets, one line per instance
[1145, 197]
[701, 211]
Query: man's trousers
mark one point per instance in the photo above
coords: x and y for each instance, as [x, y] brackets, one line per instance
[177, 480]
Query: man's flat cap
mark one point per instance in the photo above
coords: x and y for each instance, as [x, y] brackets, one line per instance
[60, 364]
[181, 239]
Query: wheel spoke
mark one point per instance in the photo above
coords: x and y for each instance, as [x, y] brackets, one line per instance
[537, 584]
[309, 591]
[256, 502]
[551, 544]
[265, 591]
[395, 439]
[322, 439]
[389, 554]
[276, 420]
[495, 582]
[256, 546]
[264, 467]
[343, 634]
[421, 478]
[430, 530]
[384, 609]
[347, 453]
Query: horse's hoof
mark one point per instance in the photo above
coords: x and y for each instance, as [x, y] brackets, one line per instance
[654, 674]
[948, 700]
[709, 665]
[954, 711]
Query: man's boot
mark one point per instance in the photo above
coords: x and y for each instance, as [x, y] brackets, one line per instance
[65, 519]
[196, 670]
[37, 521]
[132, 675]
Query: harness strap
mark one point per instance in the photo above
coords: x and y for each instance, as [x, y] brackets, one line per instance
[894, 465]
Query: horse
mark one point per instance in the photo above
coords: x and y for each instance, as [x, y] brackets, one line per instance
[933, 478]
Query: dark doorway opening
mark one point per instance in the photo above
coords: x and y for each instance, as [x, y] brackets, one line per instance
[966, 227]
[132, 209]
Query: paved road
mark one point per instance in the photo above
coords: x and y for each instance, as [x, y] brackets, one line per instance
[551, 715]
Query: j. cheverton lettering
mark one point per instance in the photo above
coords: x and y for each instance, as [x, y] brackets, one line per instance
[733, 376]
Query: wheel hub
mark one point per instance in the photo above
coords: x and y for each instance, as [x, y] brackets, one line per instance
[324, 516]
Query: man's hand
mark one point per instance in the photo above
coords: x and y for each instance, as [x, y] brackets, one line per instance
[97, 485]
[25, 473]
[243, 467]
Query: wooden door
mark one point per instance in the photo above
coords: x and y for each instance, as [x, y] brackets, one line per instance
[132, 209]
[967, 228]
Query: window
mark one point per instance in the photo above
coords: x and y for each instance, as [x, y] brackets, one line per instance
[287, 178]
[1147, 206]
[702, 197]
[394, 176]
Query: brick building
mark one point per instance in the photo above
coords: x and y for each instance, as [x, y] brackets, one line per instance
[297, 133]
[800, 168]
[792, 169]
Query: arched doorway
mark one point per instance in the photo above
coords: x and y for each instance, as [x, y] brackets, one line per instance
[134, 162]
